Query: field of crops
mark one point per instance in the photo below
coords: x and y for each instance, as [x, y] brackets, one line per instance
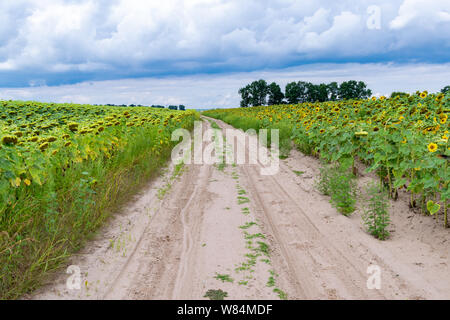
[403, 139]
[63, 169]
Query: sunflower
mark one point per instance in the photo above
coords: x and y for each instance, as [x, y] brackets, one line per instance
[322, 130]
[424, 94]
[432, 147]
[9, 140]
[443, 118]
[375, 129]
[73, 126]
[43, 146]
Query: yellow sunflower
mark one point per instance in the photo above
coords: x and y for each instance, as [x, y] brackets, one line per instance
[432, 147]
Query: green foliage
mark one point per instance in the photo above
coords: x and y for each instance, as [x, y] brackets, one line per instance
[242, 200]
[340, 184]
[281, 294]
[52, 199]
[224, 277]
[216, 294]
[247, 225]
[275, 94]
[343, 191]
[399, 94]
[323, 182]
[354, 90]
[254, 94]
[403, 140]
[297, 92]
[376, 213]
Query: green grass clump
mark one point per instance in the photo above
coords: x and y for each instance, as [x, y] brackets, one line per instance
[340, 185]
[216, 294]
[376, 214]
[224, 277]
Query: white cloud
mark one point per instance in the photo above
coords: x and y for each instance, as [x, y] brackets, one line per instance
[175, 36]
[421, 12]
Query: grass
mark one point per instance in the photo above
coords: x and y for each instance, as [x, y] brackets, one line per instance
[215, 125]
[299, 173]
[281, 294]
[216, 294]
[242, 200]
[46, 224]
[340, 185]
[248, 225]
[376, 214]
[166, 188]
[249, 236]
[224, 277]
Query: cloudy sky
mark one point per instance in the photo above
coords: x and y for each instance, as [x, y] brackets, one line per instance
[199, 52]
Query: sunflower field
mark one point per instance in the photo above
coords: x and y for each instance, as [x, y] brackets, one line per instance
[403, 139]
[63, 169]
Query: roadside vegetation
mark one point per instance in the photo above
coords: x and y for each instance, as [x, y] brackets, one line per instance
[64, 169]
[403, 139]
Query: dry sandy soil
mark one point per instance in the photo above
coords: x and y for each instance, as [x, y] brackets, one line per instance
[188, 233]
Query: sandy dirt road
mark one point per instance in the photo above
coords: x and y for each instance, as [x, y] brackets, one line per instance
[227, 227]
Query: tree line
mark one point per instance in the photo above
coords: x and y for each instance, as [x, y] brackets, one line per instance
[259, 93]
[180, 107]
[172, 107]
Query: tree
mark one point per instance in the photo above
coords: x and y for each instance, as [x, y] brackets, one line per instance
[333, 91]
[181, 107]
[445, 89]
[245, 96]
[317, 92]
[173, 108]
[292, 92]
[275, 94]
[297, 92]
[258, 92]
[354, 90]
